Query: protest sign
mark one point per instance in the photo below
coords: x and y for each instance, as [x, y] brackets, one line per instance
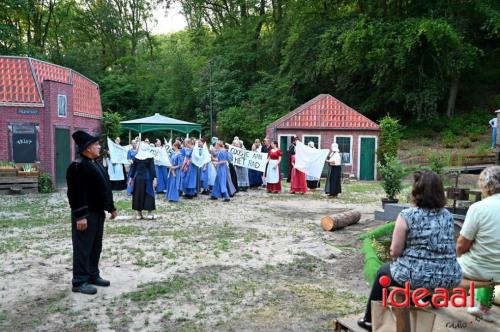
[250, 159]
[117, 153]
[158, 153]
[309, 160]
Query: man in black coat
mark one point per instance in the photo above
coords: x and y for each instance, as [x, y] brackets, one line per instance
[89, 195]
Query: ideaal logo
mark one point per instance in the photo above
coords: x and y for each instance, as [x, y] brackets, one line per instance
[440, 297]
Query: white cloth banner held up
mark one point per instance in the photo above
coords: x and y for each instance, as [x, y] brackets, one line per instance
[200, 155]
[310, 161]
[117, 153]
[249, 159]
[158, 153]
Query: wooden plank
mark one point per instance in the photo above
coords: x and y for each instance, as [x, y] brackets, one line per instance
[348, 323]
[18, 179]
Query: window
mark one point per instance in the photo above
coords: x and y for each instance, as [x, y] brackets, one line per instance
[311, 138]
[345, 147]
[24, 143]
[61, 105]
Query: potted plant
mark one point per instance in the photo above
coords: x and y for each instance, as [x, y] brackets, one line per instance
[7, 165]
[391, 172]
[27, 170]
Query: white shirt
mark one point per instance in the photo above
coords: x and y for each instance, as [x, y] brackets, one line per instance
[493, 122]
[482, 224]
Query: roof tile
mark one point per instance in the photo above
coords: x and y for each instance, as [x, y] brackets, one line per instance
[325, 111]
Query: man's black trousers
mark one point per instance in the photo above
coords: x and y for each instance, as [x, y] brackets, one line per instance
[87, 247]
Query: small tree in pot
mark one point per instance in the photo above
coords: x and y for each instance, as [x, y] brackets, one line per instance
[392, 173]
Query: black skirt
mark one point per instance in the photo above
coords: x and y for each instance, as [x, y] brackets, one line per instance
[313, 184]
[140, 198]
[234, 177]
[333, 187]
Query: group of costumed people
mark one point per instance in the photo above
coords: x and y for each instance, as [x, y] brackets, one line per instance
[193, 168]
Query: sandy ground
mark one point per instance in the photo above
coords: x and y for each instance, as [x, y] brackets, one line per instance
[259, 262]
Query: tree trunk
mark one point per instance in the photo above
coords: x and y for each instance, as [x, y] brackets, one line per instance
[332, 223]
[452, 98]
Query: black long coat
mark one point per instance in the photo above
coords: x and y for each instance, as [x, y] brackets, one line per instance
[89, 188]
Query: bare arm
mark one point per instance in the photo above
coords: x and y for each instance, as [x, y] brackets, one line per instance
[398, 238]
[463, 245]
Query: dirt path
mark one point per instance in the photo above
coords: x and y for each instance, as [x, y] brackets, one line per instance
[260, 262]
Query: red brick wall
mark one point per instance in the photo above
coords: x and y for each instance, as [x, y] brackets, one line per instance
[48, 120]
[326, 140]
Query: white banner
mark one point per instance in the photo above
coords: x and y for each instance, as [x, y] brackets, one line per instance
[249, 159]
[309, 160]
[168, 146]
[200, 156]
[117, 153]
[159, 154]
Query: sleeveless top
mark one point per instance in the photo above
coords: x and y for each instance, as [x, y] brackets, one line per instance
[429, 259]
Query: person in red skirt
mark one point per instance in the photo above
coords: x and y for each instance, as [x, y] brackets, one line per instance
[298, 183]
[273, 175]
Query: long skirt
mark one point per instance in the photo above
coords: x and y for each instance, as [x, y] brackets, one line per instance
[273, 176]
[254, 178]
[234, 176]
[189, 181]
[223, 185]
[242, 175]
[174, 184]
[162, 178]
[140, 198]
[204, 176]
[333, 186]
[298, 181]
[313, 184]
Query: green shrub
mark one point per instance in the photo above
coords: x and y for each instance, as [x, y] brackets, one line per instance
[448, 139]
[438, 161]
[392, 173]
[45, 183]
[465, 143]
[390, 136]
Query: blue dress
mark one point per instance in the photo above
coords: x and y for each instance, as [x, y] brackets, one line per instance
[130, 156]
[223, 186]
[174, 181]
[162, 178]
[189, 177]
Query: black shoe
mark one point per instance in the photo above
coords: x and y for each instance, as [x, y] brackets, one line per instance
[85, 288]
[100, 282]
[227, 200]
[364, 324]
[213, 197]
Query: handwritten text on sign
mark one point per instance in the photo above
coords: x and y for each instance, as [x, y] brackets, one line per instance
[249, 159]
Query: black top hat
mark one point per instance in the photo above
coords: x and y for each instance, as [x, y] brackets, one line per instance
[82, 139]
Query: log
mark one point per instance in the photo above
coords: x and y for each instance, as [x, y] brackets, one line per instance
[341, 220]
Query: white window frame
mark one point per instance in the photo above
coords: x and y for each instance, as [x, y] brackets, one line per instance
[319, 140]
[359, 155]
[351, 144]
[65, 103]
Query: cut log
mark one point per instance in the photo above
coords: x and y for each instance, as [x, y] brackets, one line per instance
[332, 223]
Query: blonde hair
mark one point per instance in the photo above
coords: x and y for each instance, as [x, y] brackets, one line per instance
[489, 180]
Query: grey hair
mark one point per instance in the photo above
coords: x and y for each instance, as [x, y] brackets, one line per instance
[489, 180]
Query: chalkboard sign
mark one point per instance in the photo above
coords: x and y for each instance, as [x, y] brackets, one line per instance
[24, 143]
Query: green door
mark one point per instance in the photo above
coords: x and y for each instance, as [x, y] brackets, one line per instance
[284, 158]
[367, 159]
[62, 155]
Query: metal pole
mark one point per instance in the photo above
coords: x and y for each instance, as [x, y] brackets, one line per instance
[210, 97]
[129, 137]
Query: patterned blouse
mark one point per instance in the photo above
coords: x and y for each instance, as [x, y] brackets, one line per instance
[429, 259]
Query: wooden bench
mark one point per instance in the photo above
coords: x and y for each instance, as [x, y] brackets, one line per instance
[27, 184]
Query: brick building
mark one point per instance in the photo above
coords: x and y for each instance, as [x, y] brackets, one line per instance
[41, 105]
[324, 120]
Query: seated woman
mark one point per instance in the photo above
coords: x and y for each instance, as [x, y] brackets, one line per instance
[478, 245]
[423, 244]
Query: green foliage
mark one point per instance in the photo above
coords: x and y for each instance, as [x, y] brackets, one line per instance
[45, 183]
[111, 124]
[392, 173]
[7, 164]
[449, 139]
[438, 161]
[390, 136]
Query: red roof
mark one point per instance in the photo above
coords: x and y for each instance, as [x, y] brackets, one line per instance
[21, 80]
[324, 112]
